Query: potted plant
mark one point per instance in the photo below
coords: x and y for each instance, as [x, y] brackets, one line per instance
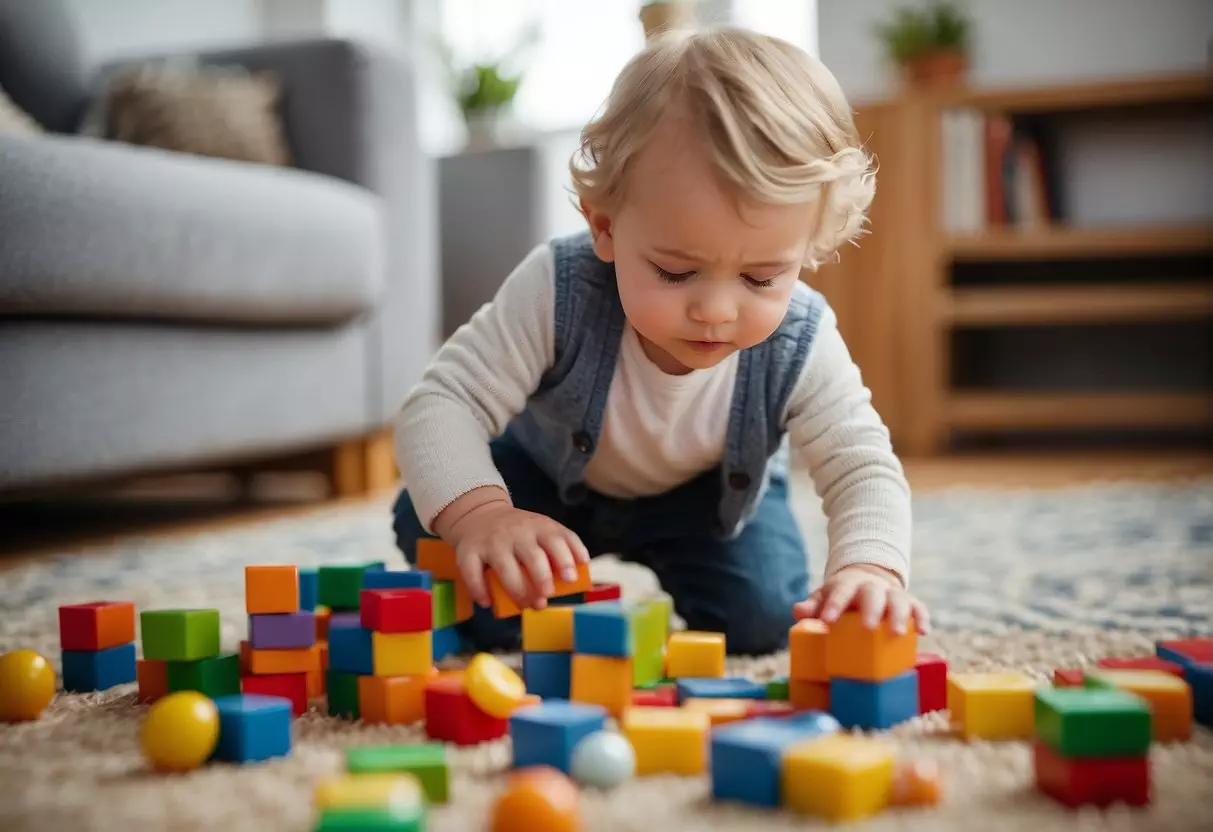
[659, 16]
[929, 43]
[485, 88]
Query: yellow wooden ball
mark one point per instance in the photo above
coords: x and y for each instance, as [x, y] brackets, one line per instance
[180, 731]
[27, 685]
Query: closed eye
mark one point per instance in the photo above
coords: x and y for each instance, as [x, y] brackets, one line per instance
[672, 277]
[760, 284]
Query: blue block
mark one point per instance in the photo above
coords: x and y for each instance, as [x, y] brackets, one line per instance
[874, 705]
[733, 687]
[350, 647]
[1200, 679]
[412, 579]
[747, 756]
[567, 600]
[603, 628]
[89, 670]
[252, 728]
[1172, 656]
[549, 675]
[444, 641]
[309, 589]
[546, 734]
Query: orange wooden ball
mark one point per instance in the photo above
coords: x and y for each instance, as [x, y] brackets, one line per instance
[538, 799]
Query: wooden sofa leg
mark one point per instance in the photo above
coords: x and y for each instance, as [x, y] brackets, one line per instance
[347, 469]
[379, 455]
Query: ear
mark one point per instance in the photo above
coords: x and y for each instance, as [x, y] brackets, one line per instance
[600, 232]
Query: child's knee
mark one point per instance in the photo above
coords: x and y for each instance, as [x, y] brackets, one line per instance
[759, 622]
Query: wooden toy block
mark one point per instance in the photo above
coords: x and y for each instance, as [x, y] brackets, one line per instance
[839, 777]
[1092, 722]
[691, 654]
[426, 761]
[443, 604]
[342, 693]
[548, 630]
[452, 716]
[652, 625]
[1200, 679]
[604, 628]
[397, 579]
[216, 676]
[672, 740]
[179, 635]
[1142, 663]
[290, 686]
[274, 662]
[282, 631]
[720, 711]
[351, 647]
[663, 696]
[401, 654]
[437, 557]
[932, 672]
[747, 757]
[537, 798]
[395, 700]
[1068, 677]
[397, 610]
[1186, 651]
[503, 605]
[92, 670]
[271, 589]
[382, 801]
[807, 650]
[152, 677]
[992, 706]
[315, 682]
[340, 585]
[309, 589]
[252, 728]
[777, 689]
[768, 707]
[445, 642]
[874, 706]
[97, 625]
[1169, 698]
[855, 652]
[323, 616]
[548, 675]
[546, 734]
[464, 605]
[648, 668]
[603, 592]
[1092, 781]
[602, 680]
[731, 687]
[809, 696]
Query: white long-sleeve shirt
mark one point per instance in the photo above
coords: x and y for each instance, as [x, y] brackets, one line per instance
[659, 430]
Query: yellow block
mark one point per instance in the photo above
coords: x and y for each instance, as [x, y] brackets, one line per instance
[695, 654]
[1169, 697]
[807, 646]
[401, 654]
[668, 739]
[602, 680]
[993, 706]
[842, 777]
[719, 711]
[399, 790]
[549, 630]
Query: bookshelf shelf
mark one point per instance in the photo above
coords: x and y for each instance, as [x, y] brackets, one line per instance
[1020, 411]
[1127, 92]
[1060, 242]
[1049, 305]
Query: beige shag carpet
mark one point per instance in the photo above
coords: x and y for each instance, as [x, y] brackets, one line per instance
[80, 768]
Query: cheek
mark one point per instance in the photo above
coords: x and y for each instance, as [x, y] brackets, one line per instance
[649, 304]
[763, 314]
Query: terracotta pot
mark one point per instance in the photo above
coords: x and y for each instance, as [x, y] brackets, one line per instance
[660, 17]
[947, 68]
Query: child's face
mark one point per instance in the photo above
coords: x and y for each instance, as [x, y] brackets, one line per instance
[699, 276]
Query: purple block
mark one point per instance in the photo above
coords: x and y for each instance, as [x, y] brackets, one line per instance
[282, 632]
[339, 620]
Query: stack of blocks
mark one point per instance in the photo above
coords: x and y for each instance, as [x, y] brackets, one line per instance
[97, 640]
[181, 651]
[617, 646]
[282, 655]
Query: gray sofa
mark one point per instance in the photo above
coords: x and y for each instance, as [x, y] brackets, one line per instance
[160, 310]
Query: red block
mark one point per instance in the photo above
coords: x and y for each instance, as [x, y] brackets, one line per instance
[932, 682]
[1092, 781]
[1143, 663]
[397, 610]
[603, 592]
[1197, 650]
[1068, 677]
[665, 696]
[769, 707]
[292, 686]
[452, 716]
[97, 625]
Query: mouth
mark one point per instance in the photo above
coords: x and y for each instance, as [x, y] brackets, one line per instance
[706, 346]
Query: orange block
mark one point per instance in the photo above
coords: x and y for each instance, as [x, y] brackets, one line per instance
[855, 652]
[503, 605]
[602, 680]
[809, 696]
[720, 711]
[266, 662]
[464, 605]
[393, 700]
[438, 557]
[271, 589]
[807, 646]
[152, 676]
[322, 615]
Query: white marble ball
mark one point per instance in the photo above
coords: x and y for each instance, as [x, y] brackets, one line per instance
[603, 760]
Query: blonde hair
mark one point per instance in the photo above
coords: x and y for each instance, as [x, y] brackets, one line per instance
[775, 120]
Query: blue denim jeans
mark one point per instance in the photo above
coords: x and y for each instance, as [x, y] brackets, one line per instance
[744, 587]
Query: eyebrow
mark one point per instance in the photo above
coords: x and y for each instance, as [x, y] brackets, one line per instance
[683, 255]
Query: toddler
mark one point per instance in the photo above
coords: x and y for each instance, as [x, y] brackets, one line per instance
[640, 388]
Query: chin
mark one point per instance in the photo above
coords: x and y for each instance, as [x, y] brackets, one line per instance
[695, 360]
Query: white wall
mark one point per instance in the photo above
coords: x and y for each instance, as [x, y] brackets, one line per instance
[112, 29]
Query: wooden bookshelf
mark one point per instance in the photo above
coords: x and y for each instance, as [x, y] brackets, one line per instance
[1117, 93]
[1059, 242]
[1048, 305]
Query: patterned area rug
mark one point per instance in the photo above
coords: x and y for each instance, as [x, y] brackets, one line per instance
[1027, 580]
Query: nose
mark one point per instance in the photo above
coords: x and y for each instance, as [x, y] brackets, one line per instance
[713, 307]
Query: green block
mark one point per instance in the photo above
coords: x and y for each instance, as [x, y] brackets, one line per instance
[649, 626]
[443, 600]
[360, 819]
[777, 689]
[179, 635]
[219, 676]
[665, 611]
[342, 693]
[340, 586]
[425, 761]
[647, 669]
[1092, 722]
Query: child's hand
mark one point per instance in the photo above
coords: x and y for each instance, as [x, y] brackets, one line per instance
[870, 588]
[510, 540]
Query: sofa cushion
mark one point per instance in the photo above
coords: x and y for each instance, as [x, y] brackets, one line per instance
[98, 228]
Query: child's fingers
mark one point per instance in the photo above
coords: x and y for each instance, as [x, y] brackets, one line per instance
[535, 560]
[899, 611]
[808, 607]
[505, 564]
[472, 568]
[580, 553]
[560, 554]
[840, 598]
[872, 599]
[921, 616]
